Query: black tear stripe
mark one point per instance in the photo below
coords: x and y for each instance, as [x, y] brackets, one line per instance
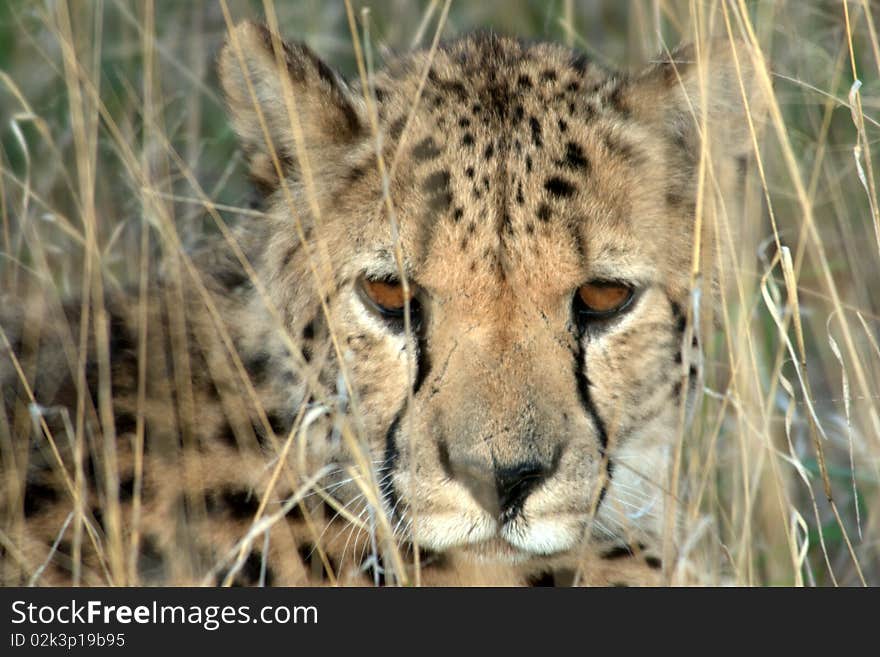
[423, 360]
[386, 487]
[583, 386]
[423, 367]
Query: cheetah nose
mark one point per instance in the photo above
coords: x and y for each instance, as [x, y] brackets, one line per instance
[514, 484]
[501, 490]
[500, 487]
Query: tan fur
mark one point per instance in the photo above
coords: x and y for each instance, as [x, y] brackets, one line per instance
[524, 173]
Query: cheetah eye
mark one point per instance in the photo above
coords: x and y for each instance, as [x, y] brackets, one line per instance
[598, 300]
[386, 295]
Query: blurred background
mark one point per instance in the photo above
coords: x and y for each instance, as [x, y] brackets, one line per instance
[791, 406]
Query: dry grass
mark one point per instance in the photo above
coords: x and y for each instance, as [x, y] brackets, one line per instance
[116, 152]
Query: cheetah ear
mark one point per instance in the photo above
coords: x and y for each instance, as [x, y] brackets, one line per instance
[671, 93]
[273, 95]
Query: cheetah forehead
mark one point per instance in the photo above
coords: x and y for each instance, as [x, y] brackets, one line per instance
[503, 152]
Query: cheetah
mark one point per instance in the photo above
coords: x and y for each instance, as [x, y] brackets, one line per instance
[457, 345]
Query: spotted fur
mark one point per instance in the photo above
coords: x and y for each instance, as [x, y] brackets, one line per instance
[508, 440]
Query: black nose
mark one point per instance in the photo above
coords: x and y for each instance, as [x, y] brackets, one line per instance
[515, 484]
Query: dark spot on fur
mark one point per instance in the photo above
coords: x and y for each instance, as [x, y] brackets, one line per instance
[328, 511]
[98, 515]
[436, 186]
[544, 213]
[674, 199]
[457, 214]
[296, 513]
[524, 81]
[396, 127]
[275, 424]
[464, 122]
[580, 62]
[125, 423]
[542, 579]
[549, 75]
[574, 158]
[559, 187]
[37, 496]
[618, 552]
[241, 504]
[231, 278]
[490, 149]
[520, 199]
[249, 575]
[280, 423]
[467, 139]
[563, 126]
[681, 323]
[288, 257]
[309, 556]
[536, 131]
[151, 563]
[426, 149]
[121, 339]
[469, 172]
[457, 88]
[126, 488]
[528, 163]
[620, 147]
[226, 435]
[617, 101]
[436, 182]
[354, 174]
[256, 366]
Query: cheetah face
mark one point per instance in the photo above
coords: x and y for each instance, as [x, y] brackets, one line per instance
[508, 268]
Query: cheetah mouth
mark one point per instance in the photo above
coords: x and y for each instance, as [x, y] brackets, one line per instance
[516, 539]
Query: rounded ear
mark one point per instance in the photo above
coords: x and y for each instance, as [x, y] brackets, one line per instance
[285, 103]
[718, 78]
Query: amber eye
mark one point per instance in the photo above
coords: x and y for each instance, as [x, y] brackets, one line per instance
[387, 295]
[601, 299]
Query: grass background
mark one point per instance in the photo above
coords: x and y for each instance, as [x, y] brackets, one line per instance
[781, 396]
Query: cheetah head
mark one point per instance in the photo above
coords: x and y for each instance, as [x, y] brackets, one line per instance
[493, 250]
